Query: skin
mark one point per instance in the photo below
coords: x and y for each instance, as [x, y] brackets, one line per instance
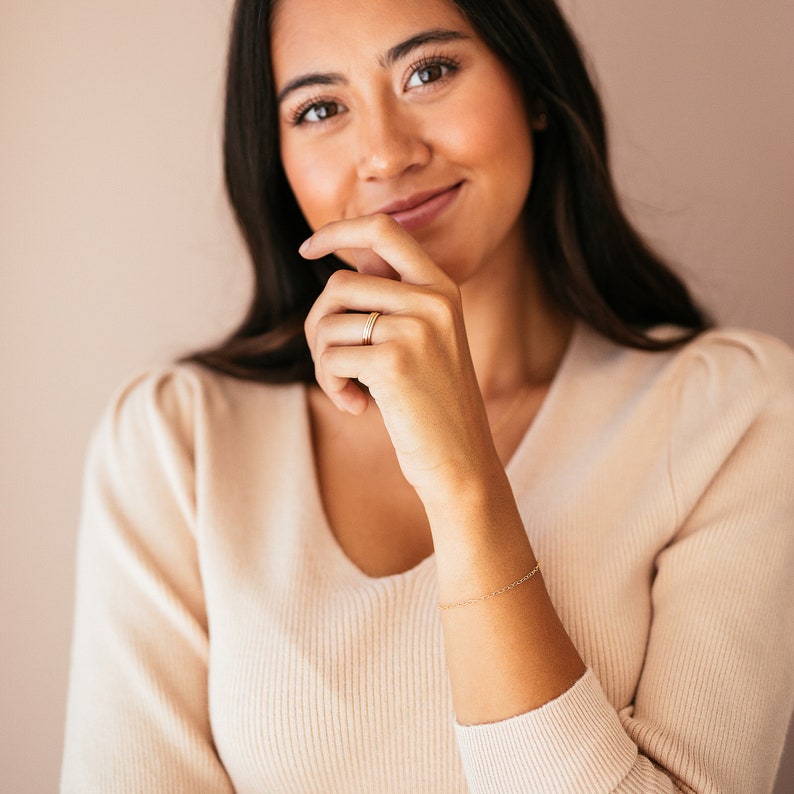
[464, 323]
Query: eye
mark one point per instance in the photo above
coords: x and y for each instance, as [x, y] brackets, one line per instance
[430, 70]
[315, 112]
[427, 74]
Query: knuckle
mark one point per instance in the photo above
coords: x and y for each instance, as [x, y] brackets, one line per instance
[321, 329]
[338, 279]
[323, 324]
[335, 280]
[442, 309]
[383, 224]
[326, 358]
[416, 330]
[395, 360]
[453, 293]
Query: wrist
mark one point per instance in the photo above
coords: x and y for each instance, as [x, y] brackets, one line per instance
[466, 493]
[476, 522]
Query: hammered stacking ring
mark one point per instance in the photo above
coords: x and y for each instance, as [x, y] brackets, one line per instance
[366, 336]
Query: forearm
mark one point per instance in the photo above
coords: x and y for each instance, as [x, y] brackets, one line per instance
[508, 654]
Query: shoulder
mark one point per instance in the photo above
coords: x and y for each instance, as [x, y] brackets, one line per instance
[731, 409]
[176, 402]
[700, 399]
[741, 351]
[178, 389]
[722, 365]
[721, 371]
[744, 372]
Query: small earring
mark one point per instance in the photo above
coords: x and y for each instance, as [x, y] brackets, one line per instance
[542, 118]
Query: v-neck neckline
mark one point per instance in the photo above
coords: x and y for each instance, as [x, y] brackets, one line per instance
[322, 532]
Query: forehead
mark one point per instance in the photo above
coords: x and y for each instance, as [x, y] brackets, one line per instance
[322, 33]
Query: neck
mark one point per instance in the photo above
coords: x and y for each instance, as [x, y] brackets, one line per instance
[517, 335]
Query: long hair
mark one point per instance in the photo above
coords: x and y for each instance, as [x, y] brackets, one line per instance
[591, 260]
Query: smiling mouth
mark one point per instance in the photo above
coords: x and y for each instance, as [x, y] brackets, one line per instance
[421, 209]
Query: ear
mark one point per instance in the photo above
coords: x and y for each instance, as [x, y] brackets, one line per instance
[539, 119]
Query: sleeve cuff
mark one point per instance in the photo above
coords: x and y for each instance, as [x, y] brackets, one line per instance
[575, 743]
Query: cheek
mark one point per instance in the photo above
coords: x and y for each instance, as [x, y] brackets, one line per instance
[316, 182]
[496, 141]
[513, 155]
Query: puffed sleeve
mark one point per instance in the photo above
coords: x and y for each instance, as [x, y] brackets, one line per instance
[137, 717]
[717, 687]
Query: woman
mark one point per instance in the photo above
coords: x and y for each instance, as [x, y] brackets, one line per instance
[483, 507]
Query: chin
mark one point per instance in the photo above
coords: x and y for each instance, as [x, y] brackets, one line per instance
[455, 260]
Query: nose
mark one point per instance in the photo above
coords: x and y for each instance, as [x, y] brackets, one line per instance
[390, 142]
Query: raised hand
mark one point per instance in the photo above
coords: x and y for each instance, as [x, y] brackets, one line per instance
[418, 368]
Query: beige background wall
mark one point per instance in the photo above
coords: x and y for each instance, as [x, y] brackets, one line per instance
[117, 250]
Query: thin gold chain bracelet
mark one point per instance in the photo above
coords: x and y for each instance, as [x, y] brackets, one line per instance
[470, 601]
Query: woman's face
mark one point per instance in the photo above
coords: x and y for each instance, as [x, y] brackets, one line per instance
[399, 107]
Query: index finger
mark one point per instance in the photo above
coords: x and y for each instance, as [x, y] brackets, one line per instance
[382, 235]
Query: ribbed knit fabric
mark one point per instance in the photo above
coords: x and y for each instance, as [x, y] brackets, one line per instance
[224, 642]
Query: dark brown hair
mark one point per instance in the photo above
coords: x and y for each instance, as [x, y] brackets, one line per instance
[593, 262]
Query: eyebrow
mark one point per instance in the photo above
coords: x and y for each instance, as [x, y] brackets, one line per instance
[394, 54]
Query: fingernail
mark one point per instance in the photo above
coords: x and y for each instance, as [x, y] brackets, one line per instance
[305, 246]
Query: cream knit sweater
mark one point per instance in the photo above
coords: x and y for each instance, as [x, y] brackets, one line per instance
[224, 642]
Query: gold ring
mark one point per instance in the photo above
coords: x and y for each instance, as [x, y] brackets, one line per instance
[366, 337]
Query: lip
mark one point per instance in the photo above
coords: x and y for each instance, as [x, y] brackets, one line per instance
[420, 209]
